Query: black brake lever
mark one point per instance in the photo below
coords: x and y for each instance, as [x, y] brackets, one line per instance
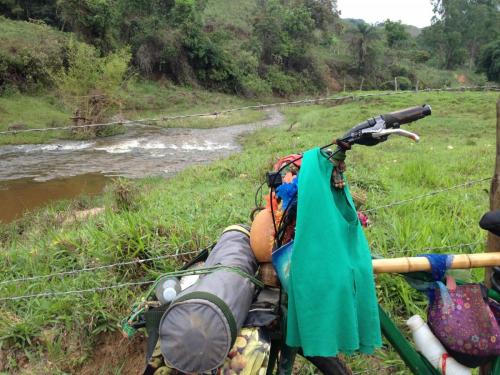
[362, 134]
[376, 130]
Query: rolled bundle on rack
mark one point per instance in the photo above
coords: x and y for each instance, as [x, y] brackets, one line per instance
[200, 326]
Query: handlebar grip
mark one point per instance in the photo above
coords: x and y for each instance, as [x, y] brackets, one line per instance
[407, 115]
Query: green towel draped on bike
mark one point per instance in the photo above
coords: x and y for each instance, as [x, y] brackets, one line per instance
[332, 306]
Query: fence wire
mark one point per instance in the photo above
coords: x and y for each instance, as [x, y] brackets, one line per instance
[145, 121]
[140, 261]
[397, 252]
[429, 194]
[80, 291]
[96, 268]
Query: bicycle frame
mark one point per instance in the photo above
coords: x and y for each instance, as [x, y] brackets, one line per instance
[415, 361]
[417, 364]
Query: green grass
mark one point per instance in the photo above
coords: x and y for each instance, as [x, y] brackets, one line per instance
[18, 35]
[30, 112]
[233, 14]
[190, 210]
[150, 99]
[28, 53]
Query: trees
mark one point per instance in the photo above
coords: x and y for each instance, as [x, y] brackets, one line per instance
[364, 36]
[283, 33]
[395, 33]
[288, 45]
[90, 19]
[44, 10]
[489, 61]
[324, 13]
[460, 28]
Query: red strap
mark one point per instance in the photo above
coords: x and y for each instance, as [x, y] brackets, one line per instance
[451, 283]
[444, 357]
[295, 158]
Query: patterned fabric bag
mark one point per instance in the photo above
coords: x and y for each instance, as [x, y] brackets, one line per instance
[462, 320]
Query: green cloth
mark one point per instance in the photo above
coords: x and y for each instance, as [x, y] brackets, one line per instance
[332, 306]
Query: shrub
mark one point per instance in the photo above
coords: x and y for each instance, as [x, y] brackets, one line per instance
[125, 195]
[89, 84]
[489, 61]
[404, 83]
[421, 56]
[87, 73]
[28, 52]
[281, 83]
[254, 86]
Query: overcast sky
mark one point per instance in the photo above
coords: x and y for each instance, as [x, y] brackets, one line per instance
[411, 12]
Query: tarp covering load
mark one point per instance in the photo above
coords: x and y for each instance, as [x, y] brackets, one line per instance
[201, 325]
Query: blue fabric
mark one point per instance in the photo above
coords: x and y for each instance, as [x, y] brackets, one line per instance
[288, 192]
[440, 263]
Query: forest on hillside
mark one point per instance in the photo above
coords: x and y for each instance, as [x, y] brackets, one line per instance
[246, 47]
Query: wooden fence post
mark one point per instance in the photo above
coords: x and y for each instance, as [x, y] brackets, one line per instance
[494, 241]
[395, 83]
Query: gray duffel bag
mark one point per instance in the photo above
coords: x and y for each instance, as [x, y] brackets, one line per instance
[200, 326]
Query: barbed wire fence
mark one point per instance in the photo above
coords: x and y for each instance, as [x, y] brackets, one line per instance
[391, 252]
[80, 291]
[309, 101]
[97, 268]
[429, 194]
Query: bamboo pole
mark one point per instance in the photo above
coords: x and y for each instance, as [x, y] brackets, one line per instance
[414, 264]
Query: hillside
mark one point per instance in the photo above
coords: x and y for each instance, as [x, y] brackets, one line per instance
[235, 15]
[414, 31]
[247, 48]
[28, 51]
[34, 93]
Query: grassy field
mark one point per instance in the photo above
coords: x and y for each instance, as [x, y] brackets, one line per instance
[153, 217]
[233, 14]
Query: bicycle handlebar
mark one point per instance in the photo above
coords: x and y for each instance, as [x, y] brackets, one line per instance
[406, 115]
[378, 129]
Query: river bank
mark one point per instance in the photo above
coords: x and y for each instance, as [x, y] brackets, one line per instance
[150, 217]
[33, 175]
[137, 100]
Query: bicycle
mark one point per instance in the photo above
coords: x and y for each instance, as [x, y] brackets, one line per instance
[368, 133]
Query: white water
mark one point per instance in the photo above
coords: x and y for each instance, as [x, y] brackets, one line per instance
[140, 152]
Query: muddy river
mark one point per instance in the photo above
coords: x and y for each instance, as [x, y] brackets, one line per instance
[33, 175]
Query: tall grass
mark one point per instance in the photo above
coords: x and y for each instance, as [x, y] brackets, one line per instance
[189, 211]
